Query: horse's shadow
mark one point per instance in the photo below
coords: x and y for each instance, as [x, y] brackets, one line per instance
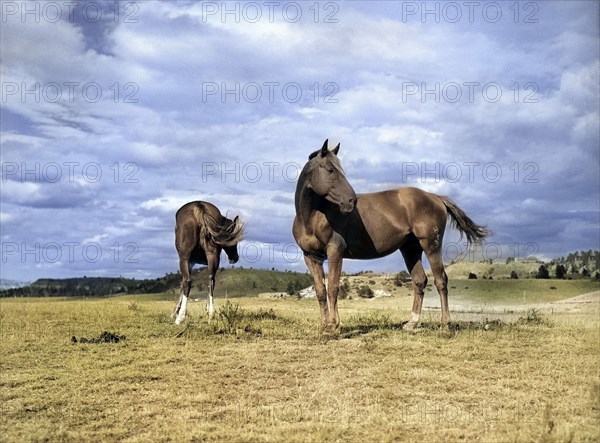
[360, 329]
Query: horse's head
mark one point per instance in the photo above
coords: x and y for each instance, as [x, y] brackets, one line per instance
[325, 177]
[231, 233]
[232, 254]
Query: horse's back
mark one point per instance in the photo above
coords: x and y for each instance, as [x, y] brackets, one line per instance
[405, 197]
[190, 218]
[423, 207]
[399, 212]
[408, 201]
[194, 209]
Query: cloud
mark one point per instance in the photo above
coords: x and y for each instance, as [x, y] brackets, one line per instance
[173, 102]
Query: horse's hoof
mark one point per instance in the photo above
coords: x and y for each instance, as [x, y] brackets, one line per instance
[331, 330]
[410, 326]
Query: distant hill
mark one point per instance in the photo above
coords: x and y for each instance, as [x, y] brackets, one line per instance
[10, 284]
[234, 281]
[581, 264]
[90, 286]
[238, 282]
[496, 270]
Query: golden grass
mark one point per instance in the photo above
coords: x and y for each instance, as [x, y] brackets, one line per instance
[267, 375]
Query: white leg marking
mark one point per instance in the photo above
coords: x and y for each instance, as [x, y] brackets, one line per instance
[210, 306]
[412, 323]
[176, 310]
[182, 309]
[414, 317]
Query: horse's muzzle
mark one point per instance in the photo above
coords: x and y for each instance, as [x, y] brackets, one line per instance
[347, 207]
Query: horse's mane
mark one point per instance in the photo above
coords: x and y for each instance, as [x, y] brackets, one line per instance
[222, 232]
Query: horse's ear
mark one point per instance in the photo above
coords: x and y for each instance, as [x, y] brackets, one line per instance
[235, 220]
[336, 149]
[324, 148]
[313, 155]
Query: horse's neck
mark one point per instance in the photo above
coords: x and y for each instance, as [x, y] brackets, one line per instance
[303, 200]
[307, 204]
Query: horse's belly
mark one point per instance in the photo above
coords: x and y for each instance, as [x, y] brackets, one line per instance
[198, 256]
[366, 255]
[374, 246]
[366, 250]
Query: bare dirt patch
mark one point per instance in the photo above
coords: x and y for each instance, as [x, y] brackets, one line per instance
[591, 298]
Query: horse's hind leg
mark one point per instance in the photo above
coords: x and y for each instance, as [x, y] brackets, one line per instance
[213, 267]
[441, 283]
[177, 307]
[186, 284]
[434, 256]
[412, 253]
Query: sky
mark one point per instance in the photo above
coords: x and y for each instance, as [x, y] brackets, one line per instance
[115, 114]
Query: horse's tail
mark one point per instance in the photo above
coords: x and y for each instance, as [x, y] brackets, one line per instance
[461, 221]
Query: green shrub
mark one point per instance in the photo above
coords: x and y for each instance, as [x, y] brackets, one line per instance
[365, 291]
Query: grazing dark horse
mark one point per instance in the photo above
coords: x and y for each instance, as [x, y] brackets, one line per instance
[201, 233]
[333, 223]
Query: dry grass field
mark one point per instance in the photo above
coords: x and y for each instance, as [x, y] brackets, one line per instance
[262, 372]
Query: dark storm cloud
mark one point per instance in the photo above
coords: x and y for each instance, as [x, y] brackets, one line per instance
[97, 21]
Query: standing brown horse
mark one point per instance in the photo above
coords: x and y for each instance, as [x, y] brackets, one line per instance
[333, 223]
[201, 233]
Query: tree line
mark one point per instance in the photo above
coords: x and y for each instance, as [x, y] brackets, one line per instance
[93, 286]
[580, 264]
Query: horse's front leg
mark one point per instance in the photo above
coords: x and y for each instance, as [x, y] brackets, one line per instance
[333, 285]
[318, 275]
